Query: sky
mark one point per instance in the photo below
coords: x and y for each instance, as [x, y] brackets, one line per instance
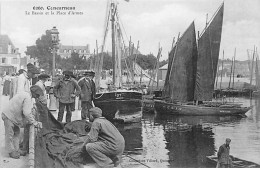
[151, 22]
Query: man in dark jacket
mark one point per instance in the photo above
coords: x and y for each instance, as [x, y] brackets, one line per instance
[224, 159]
[104, 143]
[87, 95]
[66, 90]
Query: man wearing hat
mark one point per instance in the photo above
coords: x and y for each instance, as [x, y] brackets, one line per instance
[104, 143]
[24, 79]
[41, 83]
[23, 85]
[88, 92]
[18, 112]
[66, 90]
[224, 160]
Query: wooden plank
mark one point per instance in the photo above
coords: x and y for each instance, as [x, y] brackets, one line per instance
[31, 146]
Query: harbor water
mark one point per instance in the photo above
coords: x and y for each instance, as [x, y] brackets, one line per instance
[185, 141]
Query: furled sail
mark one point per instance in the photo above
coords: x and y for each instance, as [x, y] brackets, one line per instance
[180, 80]
[208, 54]
[118, 55]
[257, 77]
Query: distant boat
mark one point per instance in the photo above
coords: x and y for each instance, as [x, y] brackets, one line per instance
[189, 84]
[118, 103]
[236, 162]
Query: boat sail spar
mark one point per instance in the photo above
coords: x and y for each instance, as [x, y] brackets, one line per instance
[191, 74]
[118, 102]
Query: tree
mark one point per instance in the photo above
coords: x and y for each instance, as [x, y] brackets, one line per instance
[43, 51]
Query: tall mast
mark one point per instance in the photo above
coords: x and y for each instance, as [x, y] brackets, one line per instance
[234, 68]
[113, 11]
[230, 73]
[221, 71]
[252, 67]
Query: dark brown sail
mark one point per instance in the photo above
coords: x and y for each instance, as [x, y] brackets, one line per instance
[208, 54]
[180, 79]
[166, 89]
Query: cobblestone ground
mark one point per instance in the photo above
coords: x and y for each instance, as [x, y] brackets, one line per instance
[7, 162]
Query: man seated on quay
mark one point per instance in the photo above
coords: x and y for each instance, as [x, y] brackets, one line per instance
[104, 143]
[18, 113]
[65, 91]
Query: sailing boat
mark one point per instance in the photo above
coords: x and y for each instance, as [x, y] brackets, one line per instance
[191, 73]
[118, 103]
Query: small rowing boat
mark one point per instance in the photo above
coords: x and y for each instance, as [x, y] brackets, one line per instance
[236, 162]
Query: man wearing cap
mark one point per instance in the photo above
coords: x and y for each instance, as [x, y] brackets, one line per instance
[104, 143]
[24, 79]
[41, 83]
[66, 90]
[224, 160]
[18, 112]
[88, 92]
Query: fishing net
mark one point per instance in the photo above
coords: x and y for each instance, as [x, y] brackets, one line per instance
[55, 145]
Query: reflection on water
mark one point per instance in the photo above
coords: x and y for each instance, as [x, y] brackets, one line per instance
[185, 141]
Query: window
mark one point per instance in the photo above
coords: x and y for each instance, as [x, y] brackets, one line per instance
[80, 51]
[65, 51]
[1, 50]
[3, 60]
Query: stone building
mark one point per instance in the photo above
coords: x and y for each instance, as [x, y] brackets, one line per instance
[9, 55]
[65, 51]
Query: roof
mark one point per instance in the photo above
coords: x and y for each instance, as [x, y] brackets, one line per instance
[164, 67]
[4, 42]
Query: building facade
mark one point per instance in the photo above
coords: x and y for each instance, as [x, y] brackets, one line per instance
[162, 72]
[9, 55]
[65, 51]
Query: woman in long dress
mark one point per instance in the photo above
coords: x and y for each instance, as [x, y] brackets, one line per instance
[6, 87]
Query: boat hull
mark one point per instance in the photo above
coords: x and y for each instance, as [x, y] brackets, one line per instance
[236, 162]
[180, 109]
[123, 107]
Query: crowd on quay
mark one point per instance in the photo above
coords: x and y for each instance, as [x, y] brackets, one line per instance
[104, 142]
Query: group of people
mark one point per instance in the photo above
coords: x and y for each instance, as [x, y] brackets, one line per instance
[104, 143]
[66, 90]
